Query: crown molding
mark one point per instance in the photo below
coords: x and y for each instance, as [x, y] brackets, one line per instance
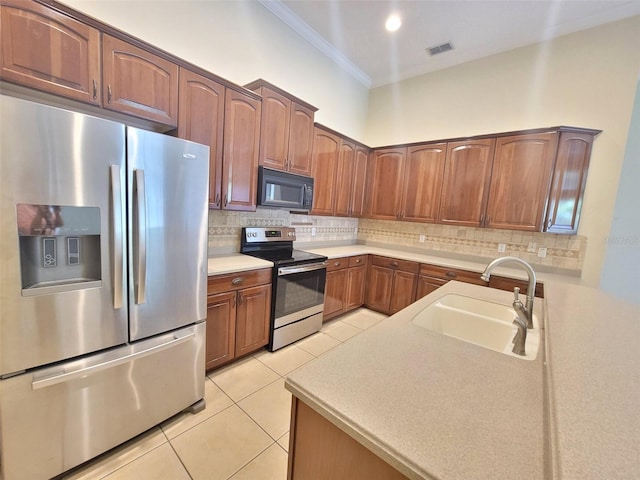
[294, 22]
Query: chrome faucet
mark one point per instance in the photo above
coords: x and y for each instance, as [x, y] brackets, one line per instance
[520, 339]
[525, 311]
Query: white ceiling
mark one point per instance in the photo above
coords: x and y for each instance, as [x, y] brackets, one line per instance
[352, 33]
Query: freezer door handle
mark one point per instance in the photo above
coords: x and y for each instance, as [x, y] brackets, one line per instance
[63, 377]
[140, 236]
[116, 232]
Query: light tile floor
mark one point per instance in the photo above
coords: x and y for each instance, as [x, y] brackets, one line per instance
[243, 433]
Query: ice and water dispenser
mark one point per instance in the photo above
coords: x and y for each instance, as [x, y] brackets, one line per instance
[59, 248]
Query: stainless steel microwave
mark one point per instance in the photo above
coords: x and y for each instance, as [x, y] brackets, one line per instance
[286, 190]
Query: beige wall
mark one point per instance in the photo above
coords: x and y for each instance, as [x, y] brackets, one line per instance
[242, 41]
[587, 79]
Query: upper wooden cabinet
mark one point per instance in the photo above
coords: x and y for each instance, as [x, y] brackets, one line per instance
[569, 180]
[466, 182]
[423, 173]
[385, 183]
[326, 152]
[520, 180]
[49, 51]
[344, 178]
[138, 82]
[240, 156]
[201, 119]
[287, 129]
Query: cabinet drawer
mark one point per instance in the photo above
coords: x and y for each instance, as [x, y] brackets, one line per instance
[393, 263]
[357, 261]
[337, 264]
[236, 281]
[445, 273]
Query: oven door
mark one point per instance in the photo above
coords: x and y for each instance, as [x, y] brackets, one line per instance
[299, 292]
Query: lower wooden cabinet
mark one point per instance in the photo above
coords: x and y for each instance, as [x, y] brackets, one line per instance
[344, 290]
[391, 284]
[319, 449]
[238, 313]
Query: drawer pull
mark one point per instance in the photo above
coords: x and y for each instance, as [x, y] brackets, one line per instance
[336, 264]
[358, 260]
[237, 281]
[394, 264]
[451, 274]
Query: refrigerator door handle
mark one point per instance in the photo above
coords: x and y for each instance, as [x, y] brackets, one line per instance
[116, 232]
[58, 378]
[140, 236]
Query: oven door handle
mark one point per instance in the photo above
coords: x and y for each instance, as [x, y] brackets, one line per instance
[301, 268]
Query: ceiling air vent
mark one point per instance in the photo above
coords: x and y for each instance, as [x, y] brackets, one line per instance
[445, 47]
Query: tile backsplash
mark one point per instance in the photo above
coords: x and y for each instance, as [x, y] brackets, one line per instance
[564, 252]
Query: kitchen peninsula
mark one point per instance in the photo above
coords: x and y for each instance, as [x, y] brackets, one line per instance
[436, 407]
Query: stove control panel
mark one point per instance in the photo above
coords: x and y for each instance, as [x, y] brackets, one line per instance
[269, 234]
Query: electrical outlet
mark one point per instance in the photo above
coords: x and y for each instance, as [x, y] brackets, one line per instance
[532, 247]
[355, 230]
[502, 247]
[542, 252]
[313, 231]
[422, 238]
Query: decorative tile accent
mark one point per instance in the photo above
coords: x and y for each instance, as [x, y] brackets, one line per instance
[563, 251]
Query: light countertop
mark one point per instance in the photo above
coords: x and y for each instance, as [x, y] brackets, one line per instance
[432, 406]
[435, 407]
[235, 263]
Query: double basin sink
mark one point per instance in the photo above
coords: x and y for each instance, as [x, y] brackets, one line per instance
[478, 321]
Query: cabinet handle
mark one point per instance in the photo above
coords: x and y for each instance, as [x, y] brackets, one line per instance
[358, 260]
[451, 274]
[482, 219]
[236, 281]
[225, 199]
[549, 224]
[337, 264]
[394, 264]
[233, 304]
[95, 90]
[217, 200]
[108, 93]
[240, 299]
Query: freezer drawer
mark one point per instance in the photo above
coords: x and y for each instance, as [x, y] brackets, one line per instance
[55, 418]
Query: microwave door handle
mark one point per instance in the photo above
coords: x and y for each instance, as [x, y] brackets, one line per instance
[302, 268]
[116, 235]
[140, 237]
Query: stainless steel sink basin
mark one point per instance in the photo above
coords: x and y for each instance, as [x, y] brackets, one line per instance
[477, 321]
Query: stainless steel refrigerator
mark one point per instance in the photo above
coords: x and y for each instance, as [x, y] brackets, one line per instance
[103, 259]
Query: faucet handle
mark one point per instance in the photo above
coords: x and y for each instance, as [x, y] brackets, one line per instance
[516, 293]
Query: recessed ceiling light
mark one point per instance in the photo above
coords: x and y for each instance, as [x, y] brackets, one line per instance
[393, 23]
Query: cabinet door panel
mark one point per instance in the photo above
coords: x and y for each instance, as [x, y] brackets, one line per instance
[359, 181]
[386, 180]
[334, 294]
[423, 182]
[344, 178]
[426, 285]
[466, 181]
[252, 324]
[49, 51]
[138, 82]
[201, 119]
[403, 292]
[275, 123]
[569, 181]
[326, 148]
[356, 278]
[221, 327]
[520, 181]
[378, 290]
[241, 147]
[300, 139]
